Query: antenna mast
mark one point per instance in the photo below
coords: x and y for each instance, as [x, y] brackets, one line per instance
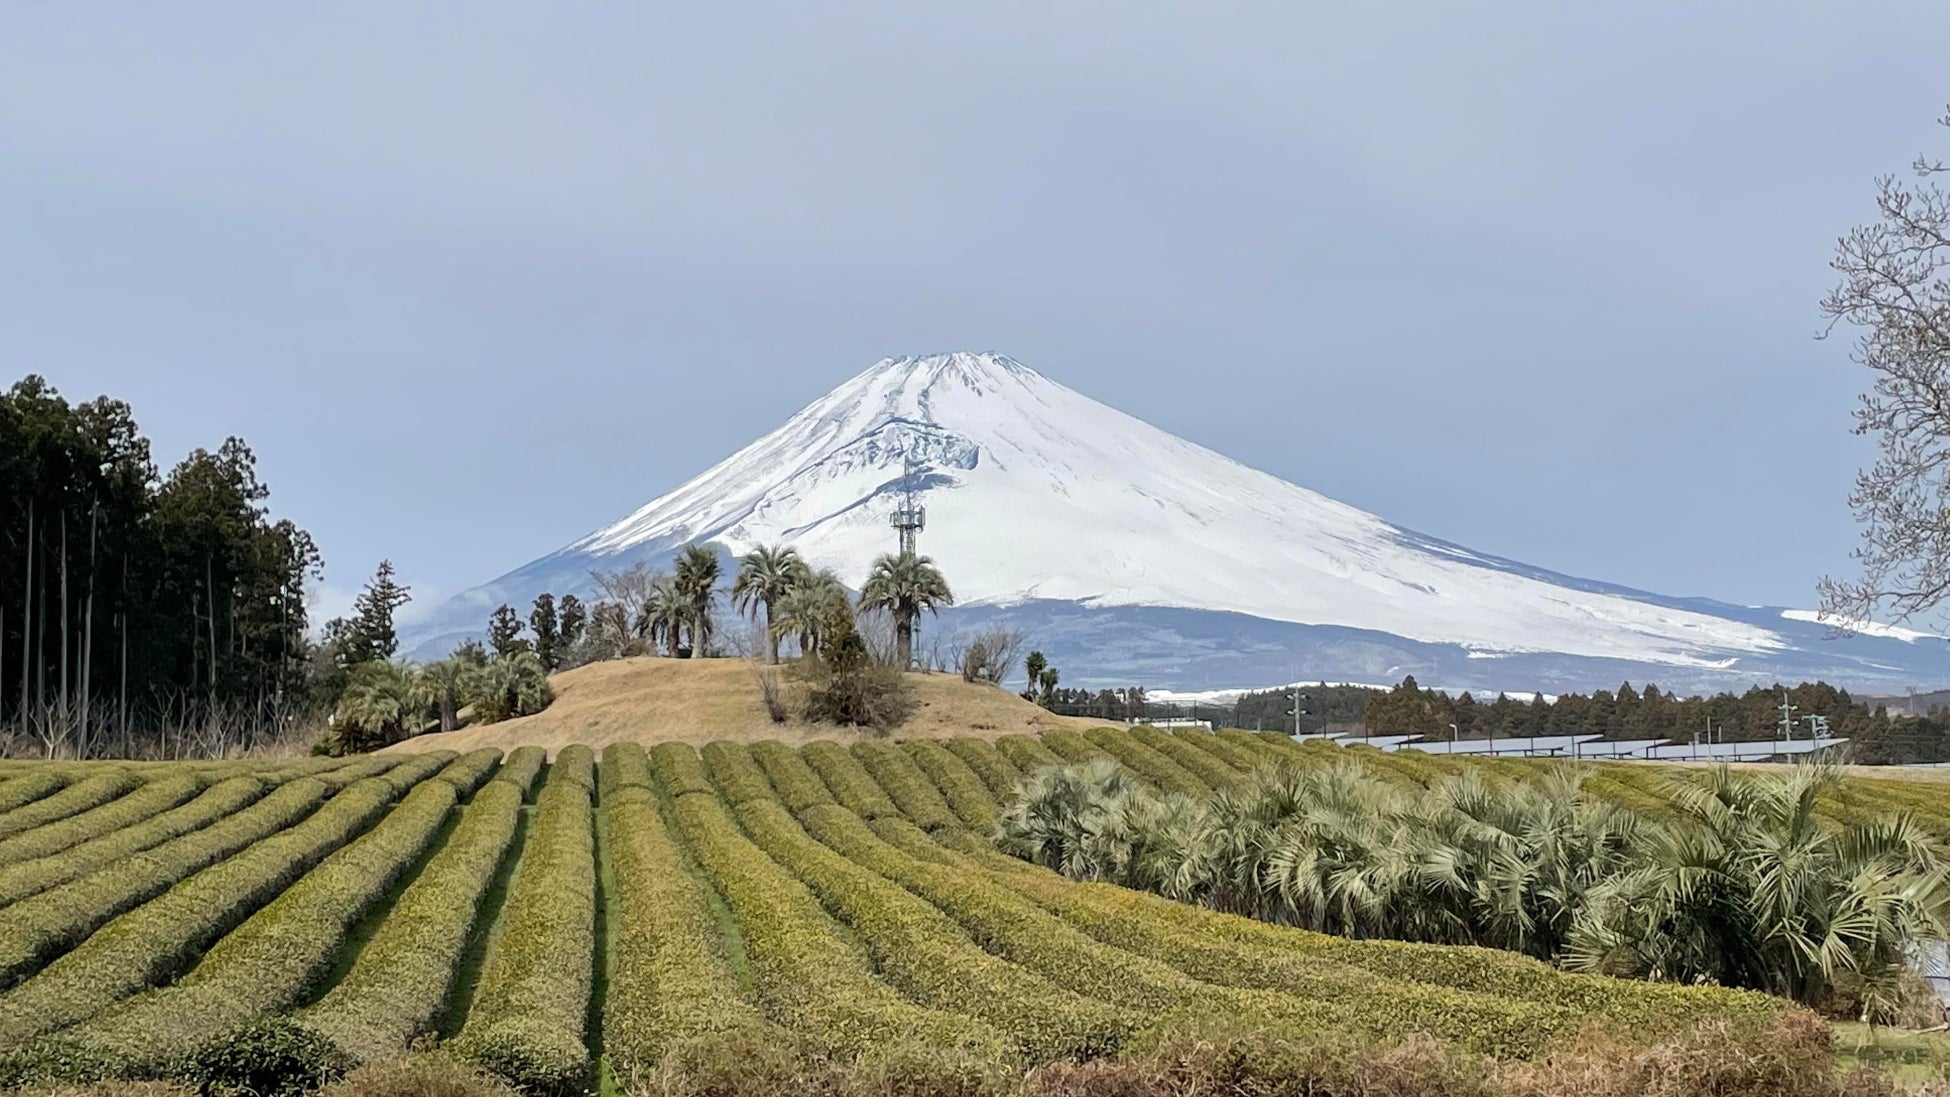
[910, 518]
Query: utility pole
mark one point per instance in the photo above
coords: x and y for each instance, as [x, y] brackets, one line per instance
[1787, 718]
[1296, 713]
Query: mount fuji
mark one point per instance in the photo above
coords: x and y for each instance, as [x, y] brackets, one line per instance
[1131, 556]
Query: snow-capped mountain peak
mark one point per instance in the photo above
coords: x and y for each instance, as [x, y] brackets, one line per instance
[1039, 495]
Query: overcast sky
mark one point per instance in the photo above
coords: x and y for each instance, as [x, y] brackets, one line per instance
[476, 279]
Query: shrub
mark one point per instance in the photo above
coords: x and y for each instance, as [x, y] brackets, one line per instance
[847, 780]
[671, 980]
[58, 918]
[905, 784]
[23, 790]
[1260, 748]
[160, 938]
[735, 773]
[150, 799]
[795, 782]
[679, 769]
[521, 767]
[842, 684]
[625, 766]
[19, 881]
[809, 977]
[78, 797]
[1071, 746]
[372, 765]
[998, 773]
[396, 989]
[967, 796]
[1168, 776]
[925, 953]
[1026, 754]
[469, 771]
[429, 1075]
[275, 958]
[531, 1008]
[1209, 771]
[1241, 758]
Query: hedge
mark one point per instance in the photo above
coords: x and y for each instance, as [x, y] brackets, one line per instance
[160, 938]
[998, 773]
[809, 977]
[1266, 752]
[148, 800]
[795, 782]
[679, 769]
[372, 765]
[398, 986]
[1209, 771]
[531, 1008]
[967, 796]
[276, 957]
[29, 787]
[220, 801]
[1167, 775]
[1071, 746]
[1243, 759]
[470, 771]
[904, 783]
[670, 976]
[416, 769]
[924, 953]
[1008, 924]
[847, 779]
[735, 773]
[1026, 754]
[76, 798]
[522, 766]
[625, 766]
[58, 918]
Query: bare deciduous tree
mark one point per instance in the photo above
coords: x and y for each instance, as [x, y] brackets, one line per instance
[1895, 287]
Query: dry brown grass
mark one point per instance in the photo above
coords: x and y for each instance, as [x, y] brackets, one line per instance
[652, 700]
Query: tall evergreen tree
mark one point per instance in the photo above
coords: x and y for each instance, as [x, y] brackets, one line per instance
[504, 632]
[575, 621]
[547, 628]
[372, 615]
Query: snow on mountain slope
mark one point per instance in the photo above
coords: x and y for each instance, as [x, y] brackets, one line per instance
[1037, 492]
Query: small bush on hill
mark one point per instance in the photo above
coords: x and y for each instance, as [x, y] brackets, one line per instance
[844, 685]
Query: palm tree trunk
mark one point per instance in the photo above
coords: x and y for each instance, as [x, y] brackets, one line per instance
[771, 638]
[904, 639]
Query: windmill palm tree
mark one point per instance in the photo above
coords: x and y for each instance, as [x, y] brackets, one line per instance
[697, 580]
[383, 702]
[905, 585]
[446, 682]
[812, 610]
[513, 685]
[666, 610]
[765, 576]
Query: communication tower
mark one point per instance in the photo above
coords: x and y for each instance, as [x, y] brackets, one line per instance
[910, 517]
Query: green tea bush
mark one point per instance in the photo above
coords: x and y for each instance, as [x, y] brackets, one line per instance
[72, 800]
[1209, 771]
[679, 769]
[998, 773]
[925, 954]
[735, 773]
[160, 938]
[394, 992]
[795, 782]
[346, 773]
[1072, 746]
[531, 1007]
[471, 770]
[625, 766]
[1260, 748]
[671, 979]
[1218, 746]
[967, 796]
[54, 920]
[416, 769]
[522, 766]
[904, 783]
[847, 779]
[1168, 776]
[150, 799]
[1026, 754]
[27, 788]
[276, 957]
[810, 978]
[19, 881]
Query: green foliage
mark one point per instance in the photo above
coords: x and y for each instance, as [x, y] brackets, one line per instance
[504, 632]
[842, 684]
[679, 769]
[548, 631]
[967, 796]
[735, 774]
[1025, 754]
[383, 703]
[913, 794]
[146, 800]
[510, 685]
[532, 1004]
[766, 575]
[904, 586]
[396, 990]
[469, 771]
[798, 787]
[809, 977]
[522, 766]
[59, 917]
[696, 581]
[161, 937]
[25, 789]
[1168, 776]
[997, 772]
[372, 636]
[276, 957]
[625, 766]
[1206, 768]
[1072, 746]
[25, 878]
[847, 780]
[924, 953]
[671, 980]
[76, 798]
